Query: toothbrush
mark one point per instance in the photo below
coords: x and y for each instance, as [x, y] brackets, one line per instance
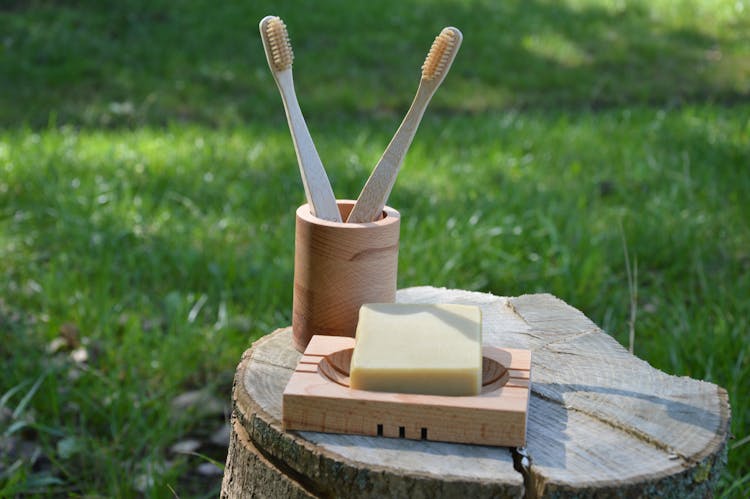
[375, 193]
[279, 54]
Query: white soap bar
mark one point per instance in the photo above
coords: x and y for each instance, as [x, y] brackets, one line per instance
[418, 348]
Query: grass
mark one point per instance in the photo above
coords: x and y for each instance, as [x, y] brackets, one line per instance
[148, 186]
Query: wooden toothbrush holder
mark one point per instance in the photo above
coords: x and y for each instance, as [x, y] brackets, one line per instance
[338, 267]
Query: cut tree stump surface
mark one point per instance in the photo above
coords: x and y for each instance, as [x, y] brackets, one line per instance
[601, 423]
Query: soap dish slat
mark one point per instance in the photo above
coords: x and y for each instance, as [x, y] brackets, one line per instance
[318, 398]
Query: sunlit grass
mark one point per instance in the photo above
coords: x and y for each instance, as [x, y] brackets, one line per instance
[148, 187]
[174, 247]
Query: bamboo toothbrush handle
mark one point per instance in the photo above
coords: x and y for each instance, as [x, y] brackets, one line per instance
[314, 179]
[375, 193]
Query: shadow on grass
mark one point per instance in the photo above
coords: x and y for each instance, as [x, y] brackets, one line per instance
[150, 63]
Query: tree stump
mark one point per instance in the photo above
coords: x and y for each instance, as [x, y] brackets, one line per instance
[601, 423]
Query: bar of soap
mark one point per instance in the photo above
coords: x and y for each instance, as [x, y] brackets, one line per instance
[418, 348]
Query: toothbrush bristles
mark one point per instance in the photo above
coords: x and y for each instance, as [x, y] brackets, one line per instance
[440, 54]
[278, 41]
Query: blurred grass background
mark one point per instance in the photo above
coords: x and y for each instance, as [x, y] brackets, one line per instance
[148, 185]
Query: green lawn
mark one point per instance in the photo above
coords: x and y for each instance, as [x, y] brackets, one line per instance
[148, 186]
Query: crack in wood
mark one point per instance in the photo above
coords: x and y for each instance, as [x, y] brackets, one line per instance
[570, 337]
[273, 364]
[522, 464]
[612, 424]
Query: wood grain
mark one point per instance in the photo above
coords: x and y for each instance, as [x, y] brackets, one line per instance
[338, 267]
[601, 422]
[318, 398]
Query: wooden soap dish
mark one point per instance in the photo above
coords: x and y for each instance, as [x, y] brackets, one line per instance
[318, 398]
